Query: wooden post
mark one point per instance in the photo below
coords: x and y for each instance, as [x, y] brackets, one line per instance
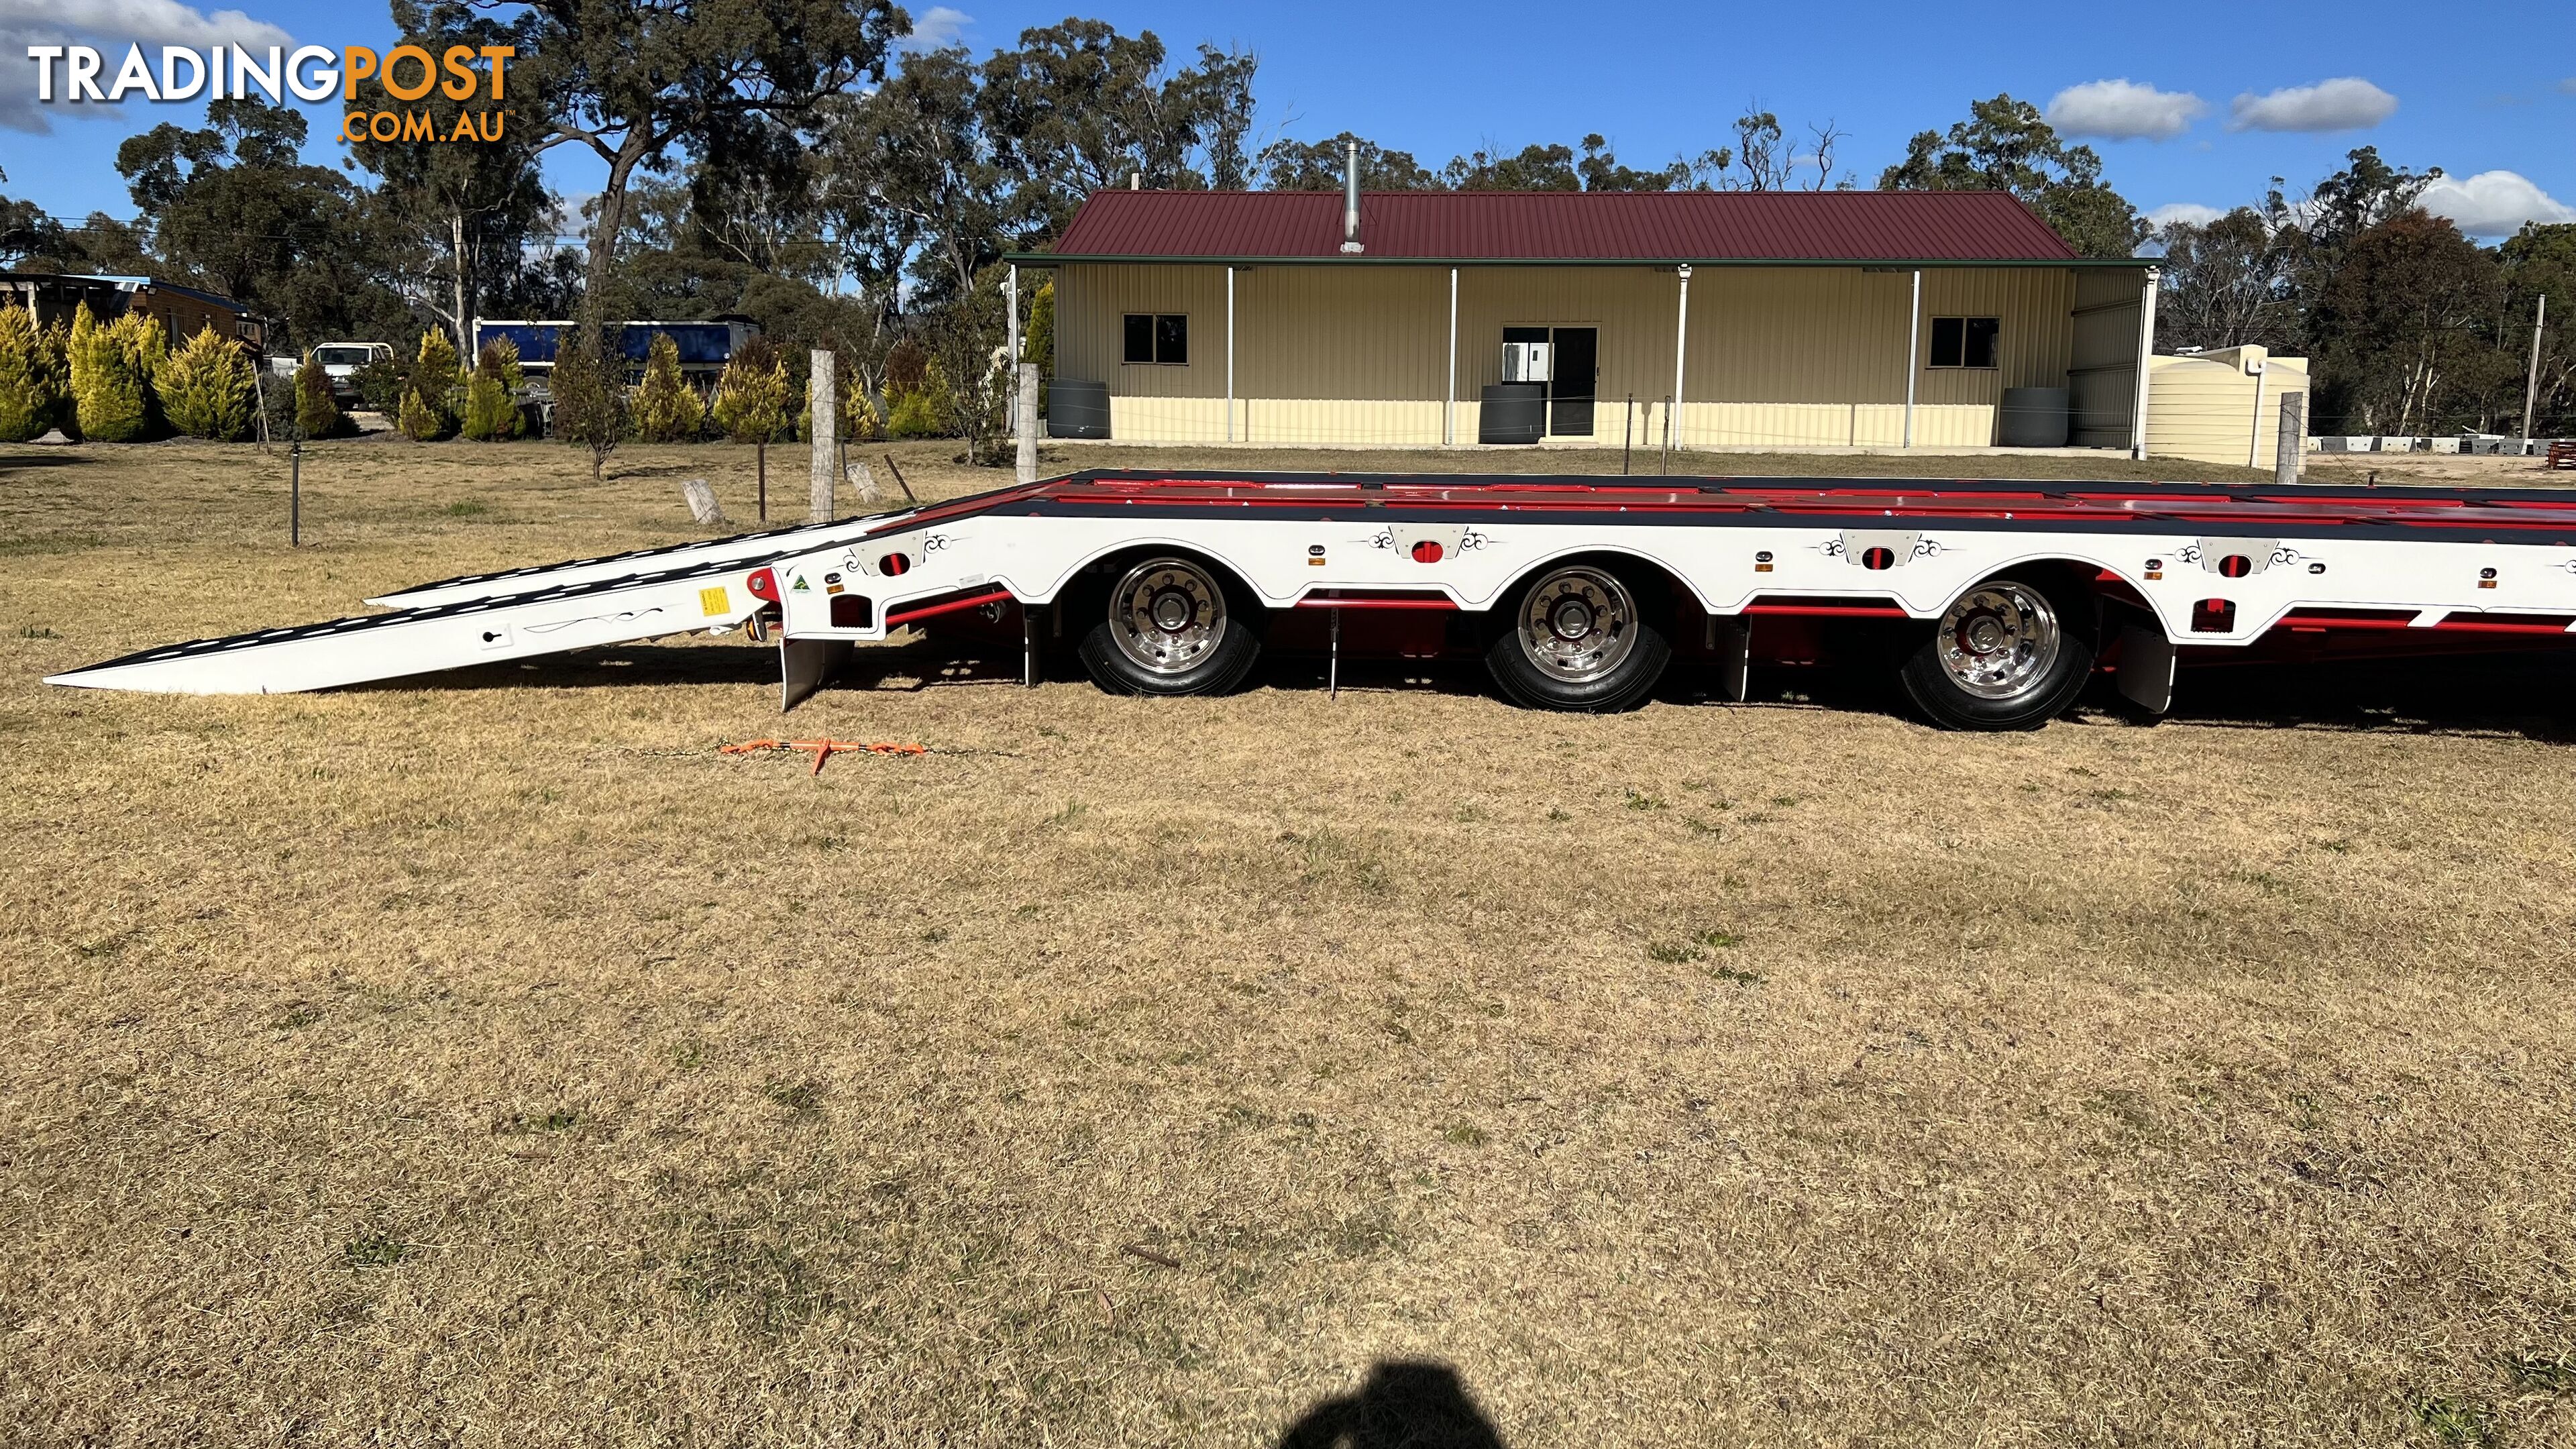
[704, 511]
[2294, 437]
[823, 403]
[1026, 413]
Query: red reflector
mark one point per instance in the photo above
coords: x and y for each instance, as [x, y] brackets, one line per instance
[894, 564]
[1426, 551]
[763, 585]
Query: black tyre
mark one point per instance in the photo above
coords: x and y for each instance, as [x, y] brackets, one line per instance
[2010, 654]
[1171, 625]
[1580, 636]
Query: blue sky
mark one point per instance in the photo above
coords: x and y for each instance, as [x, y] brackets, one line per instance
[2217, 98]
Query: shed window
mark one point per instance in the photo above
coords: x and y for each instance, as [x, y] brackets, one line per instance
[1158, 337]
[1964, 341]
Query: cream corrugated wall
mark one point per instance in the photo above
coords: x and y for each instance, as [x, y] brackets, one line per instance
[1817, 355]
[1146, 401]
[2102, 370]
[1091, 302]
[1779, 356]
[1347, 354]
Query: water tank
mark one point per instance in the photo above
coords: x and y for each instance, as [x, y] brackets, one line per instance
[1513, 412]
[1077, 409]
[2032, 417]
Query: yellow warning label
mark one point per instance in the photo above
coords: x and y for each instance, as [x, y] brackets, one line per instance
[714, 602]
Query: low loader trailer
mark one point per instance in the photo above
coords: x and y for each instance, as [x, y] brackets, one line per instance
[1994, 602]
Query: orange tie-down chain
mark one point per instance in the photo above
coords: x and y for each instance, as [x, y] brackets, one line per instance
[825, 749]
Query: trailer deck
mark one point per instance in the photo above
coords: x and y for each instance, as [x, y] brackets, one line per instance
[1576, 589]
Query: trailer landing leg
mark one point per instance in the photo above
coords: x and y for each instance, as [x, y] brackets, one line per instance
[806, 665]
[1333, 670]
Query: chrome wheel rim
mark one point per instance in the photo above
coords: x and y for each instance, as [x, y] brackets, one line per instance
[2000, 640]
[1578, 624]
[1167, 614]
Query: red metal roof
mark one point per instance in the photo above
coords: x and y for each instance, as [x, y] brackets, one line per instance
[1559, 226]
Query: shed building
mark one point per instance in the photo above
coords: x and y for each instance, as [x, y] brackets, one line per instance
[1777, 319]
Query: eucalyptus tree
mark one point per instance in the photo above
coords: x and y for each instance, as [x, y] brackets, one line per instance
[636, 81]
[1077, 108]
[1286, 165]
[233, 206]
[474, 206]
[2233, 280]
[2005, 145]
[1558, 168]
[918, 155]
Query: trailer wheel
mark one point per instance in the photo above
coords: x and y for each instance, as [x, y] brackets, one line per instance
[2008, 655]
[1579, 637]
[1169, 626]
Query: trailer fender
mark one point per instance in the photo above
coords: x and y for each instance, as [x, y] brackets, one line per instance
[2085, 570]
[1679, 579]
[1052, 590]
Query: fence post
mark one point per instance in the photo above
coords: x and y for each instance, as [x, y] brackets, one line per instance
[1627, 431]
[1025, 412]
[295, 494]
[2293, 440]
[824, 405]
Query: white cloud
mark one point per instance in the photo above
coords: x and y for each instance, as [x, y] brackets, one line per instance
[162, 22]
[2347, 103]
[2124, 110]
[2493, 203]
[110, 25]
[937, 26]
[2568, 85]
[2184, 211]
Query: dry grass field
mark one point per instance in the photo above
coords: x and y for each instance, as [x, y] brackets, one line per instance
[488, 1061]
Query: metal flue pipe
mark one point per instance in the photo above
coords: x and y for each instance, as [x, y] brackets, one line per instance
[1351, 200]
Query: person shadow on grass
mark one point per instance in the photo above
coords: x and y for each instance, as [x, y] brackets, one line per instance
[1404, 1405]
